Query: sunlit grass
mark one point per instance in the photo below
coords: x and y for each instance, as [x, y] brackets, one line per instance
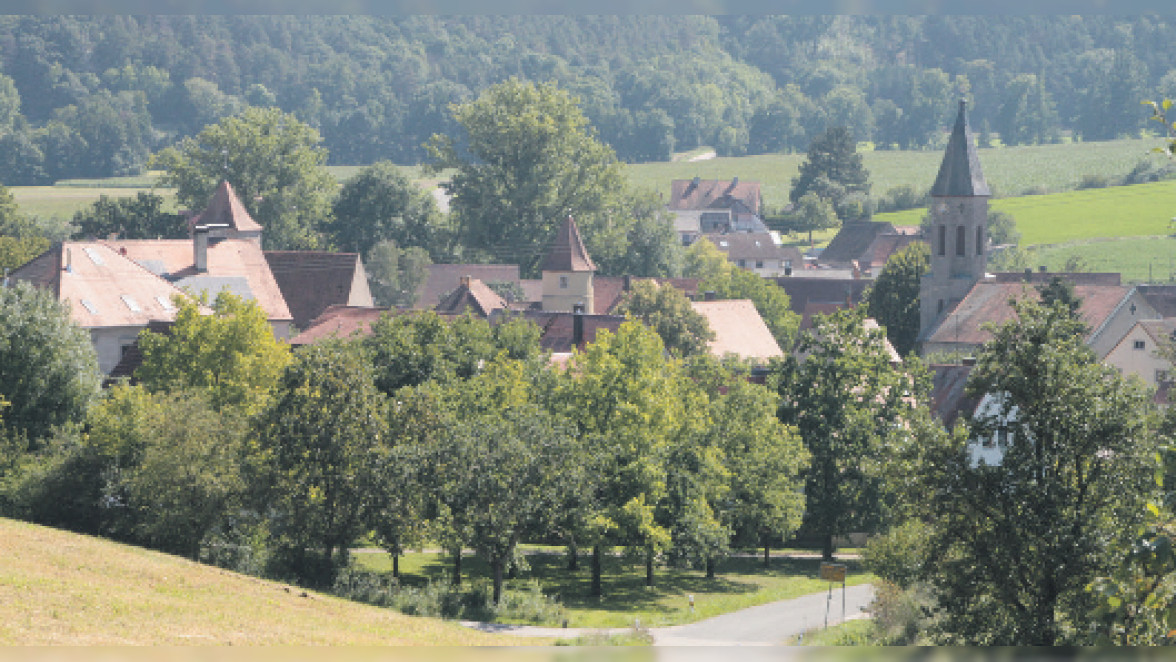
[63, 588]
[741, 582]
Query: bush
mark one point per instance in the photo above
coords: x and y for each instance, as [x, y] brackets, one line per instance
[901, 616]
[443, 600]
[900, 556]
[1094, 181]
[901, 198]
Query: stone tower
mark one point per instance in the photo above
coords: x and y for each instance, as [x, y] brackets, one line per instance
[567, 272]
[959, 228]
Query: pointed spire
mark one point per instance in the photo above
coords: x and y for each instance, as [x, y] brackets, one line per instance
[567, 252]
[960, 174]
[225, 208]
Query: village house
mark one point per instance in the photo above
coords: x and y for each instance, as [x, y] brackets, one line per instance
[758, 252]
[708, 206]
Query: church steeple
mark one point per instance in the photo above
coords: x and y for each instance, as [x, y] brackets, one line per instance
[959, 228]
[960, 174]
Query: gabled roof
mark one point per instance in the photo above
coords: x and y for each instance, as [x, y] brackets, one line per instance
[225, 208]
[312, 281]
[235, 264]
[959, 173]
[340, 322]
[949, 401]
[738, 329]
[853, 241]
[557, 329]
[442, 278]
[1160, 297]
[883, 247]
[567, 252]
[474, 295]
[695, 194]
[103, 287]
[754, 246]
[988, 302]
[803, 291]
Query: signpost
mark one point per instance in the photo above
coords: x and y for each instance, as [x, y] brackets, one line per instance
[832, 573]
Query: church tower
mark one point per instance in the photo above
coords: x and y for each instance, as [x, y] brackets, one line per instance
[959, 228]
[567, 272]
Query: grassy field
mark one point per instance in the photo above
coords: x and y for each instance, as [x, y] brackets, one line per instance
[1010, 171]
[62, 588]
[850, 633]
[1057, 218]
[741, 582]
[1148, 259]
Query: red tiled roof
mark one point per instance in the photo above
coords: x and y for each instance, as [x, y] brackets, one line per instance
[607, 291]
[558, 328]
[312, 281]
[103, 286]
[738, 329]
[804, 290]
[691, 194]
[567, 252]
[883, 247]
[853, 241]
[988, 302]
[473, 295]
[239, 259]
[340, 322]
[225, 208]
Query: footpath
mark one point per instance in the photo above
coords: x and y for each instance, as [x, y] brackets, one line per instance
[773, 624]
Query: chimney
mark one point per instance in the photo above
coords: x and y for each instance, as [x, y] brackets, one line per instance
[200, 248]
[710, 295]
[465, 281]
[628, 282]
[577, 324]
[68, 260]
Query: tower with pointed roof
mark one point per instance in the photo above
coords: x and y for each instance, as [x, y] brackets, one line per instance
[959, 228]
[226, 217]
[567, 272]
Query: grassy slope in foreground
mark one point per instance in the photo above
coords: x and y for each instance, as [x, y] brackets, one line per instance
[62, 588]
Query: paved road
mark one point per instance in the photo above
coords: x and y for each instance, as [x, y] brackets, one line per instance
[766, 625]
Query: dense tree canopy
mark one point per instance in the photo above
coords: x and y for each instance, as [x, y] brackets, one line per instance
[893, 300]
[48, 370]
[833, 170]
[668, 312]
[274, 164]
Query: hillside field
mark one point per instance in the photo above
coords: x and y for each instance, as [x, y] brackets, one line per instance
[63, 588]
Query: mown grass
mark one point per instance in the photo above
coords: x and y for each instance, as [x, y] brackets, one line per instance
[63, 588]
[857, 632]
[1117, 211]
[61, 202]
[741, 582]
[1010, 171]
[1148, 259]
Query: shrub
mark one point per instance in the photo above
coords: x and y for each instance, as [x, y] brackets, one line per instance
[899, 556]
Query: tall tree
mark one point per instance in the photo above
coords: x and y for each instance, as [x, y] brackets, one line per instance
[48, 369]
[140, 217]
[379, 203]
[527, 161]
[847, 402]
[395, 274]
[274, 164]
[1020, 540]
[666, 310]
[231, 354]
[317, 447]
[833, 170]
[894, 298]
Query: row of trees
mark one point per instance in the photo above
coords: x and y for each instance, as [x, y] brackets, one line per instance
[94, 96]
[453, 433]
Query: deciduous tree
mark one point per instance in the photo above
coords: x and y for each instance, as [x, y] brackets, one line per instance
[894, 298]
[667, 311]
[833, 170]
[379, 203]
[274, 164]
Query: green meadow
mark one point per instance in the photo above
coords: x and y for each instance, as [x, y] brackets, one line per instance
[741, 582]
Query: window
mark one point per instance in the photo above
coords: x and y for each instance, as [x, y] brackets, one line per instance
[1162, 377]
[563, 282]
[759, 264]
[940, 306]
[943, 240]
[742, 263]
[89, 305]
[961, 233]
[131, 303]
[94, 256]
[979, 240]
[1139, 344]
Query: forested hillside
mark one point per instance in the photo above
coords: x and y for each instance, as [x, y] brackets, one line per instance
[95, 96]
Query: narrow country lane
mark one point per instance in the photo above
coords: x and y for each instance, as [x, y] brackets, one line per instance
[766, 625]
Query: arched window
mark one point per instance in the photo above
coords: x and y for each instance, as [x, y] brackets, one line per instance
[943, 240]
[979, 240]
[961, 234]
